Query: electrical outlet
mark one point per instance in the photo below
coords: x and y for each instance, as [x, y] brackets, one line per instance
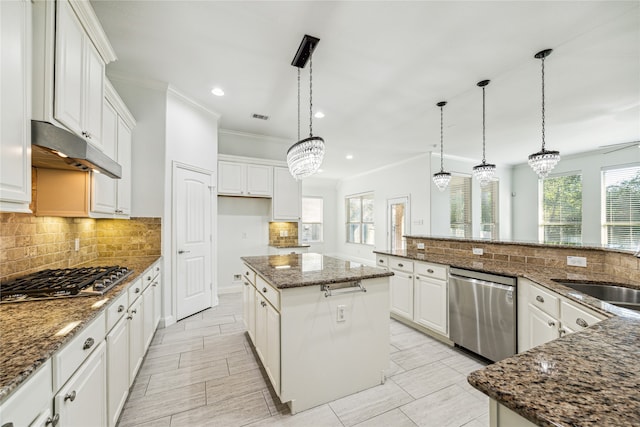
[577, 261]
[341, 317]
[477, 251]
[420, 245]
[77, 244]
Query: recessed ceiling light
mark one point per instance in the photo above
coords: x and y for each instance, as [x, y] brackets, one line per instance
[319, 115]
[320, 170]
[349, 156]
[217, 91]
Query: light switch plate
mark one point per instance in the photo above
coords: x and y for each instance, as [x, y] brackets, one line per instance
[477, 251]
[420, 245]
[577, 261]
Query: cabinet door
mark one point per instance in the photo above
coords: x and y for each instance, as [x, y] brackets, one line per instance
[251, 305]
[69, 69]
[431, 305]
[261, 327]
[93, 94]
[103, 197]
[231, 178]
[259, 180]
[147, 314]
[124, 158]
[401, 294]
[157, 300]
[542, 328]
[117, 369]
[575, 318]
[15, 105]
[136, 345]
[273, 347]
[83, 399]
[287, 196]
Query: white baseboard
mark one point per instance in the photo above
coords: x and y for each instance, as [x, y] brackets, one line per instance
[234, 288]
[166, 321]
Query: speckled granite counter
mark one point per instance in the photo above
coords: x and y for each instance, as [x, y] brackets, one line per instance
[295, 270]
[27, 329]
[589, 378]
[289, 246]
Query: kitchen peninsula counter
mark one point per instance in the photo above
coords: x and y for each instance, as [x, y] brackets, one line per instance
[28, 329]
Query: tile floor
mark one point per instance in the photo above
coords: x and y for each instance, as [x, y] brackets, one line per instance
[202, 371]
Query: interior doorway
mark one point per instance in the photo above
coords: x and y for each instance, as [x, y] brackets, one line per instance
[398, 211]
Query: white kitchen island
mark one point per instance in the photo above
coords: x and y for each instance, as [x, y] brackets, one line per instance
[320, 325]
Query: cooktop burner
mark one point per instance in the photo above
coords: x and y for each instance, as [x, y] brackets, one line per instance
[61, 283]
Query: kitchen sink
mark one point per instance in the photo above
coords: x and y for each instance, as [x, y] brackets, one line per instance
[613, 294]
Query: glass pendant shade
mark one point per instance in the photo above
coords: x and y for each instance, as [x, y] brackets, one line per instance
[544, 161]
[484, 173]
[441, 179]
[305, 157]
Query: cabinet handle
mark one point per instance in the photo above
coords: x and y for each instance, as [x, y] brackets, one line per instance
[53, 421]
[149, 278]
[581, 322]
[70, 396]
[89, 342]
[262, 303]
[264, 290]
[157, 268]
[180, 252]
[539, 299]
[154, 284]
[400, 265]
[381, 261]
[246, 273]
[246, 283]
[562, 331]
[129, 317]
[120, 308]
[134, 311]
[137, 291]
[551, 323]
[430, 271]
[409, 277]
[417, 277]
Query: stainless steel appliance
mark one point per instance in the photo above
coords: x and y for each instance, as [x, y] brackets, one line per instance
[482, 313]
[62, 283]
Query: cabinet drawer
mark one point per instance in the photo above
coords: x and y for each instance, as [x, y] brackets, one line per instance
[66, 361]
[435, 271]
[382, 261]
[268, 291]
[545, 301]
[116, 310]
[577, 318]
[249, 274]
[27, 402]
[401, 264]
[134, 291]
[147, 278]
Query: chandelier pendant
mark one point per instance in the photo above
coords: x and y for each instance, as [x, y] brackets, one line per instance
[484, 172]
[441, 179]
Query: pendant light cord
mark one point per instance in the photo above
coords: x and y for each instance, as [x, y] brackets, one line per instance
[543, 104]
[298, 104]
[310, 91]
[441, 146]
[484, 160]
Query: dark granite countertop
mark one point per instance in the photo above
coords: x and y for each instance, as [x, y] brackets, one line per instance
[296, 270]
[588, 378]
[27, 329]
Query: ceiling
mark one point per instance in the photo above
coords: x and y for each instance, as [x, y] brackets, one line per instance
[380, 68]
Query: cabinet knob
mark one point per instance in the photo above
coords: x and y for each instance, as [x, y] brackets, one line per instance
[418, 277]
[551, 323]
[246, 283]
[430, 271]
[409, 277]
[581, 322]
[51, 420]
[89, 342]
[120, 308]
[262, 303]
[154, 284]
[148, 277]
[264, 290]
[134, 311]
[539, 299]
[137, 291]
[400, 265]
[157, 268]
[129, 317]
[562, 331]
[70, 396]
[381, 261]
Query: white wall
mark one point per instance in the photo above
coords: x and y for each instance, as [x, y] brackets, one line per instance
[525, 186]
[325, 188]
[250, 145]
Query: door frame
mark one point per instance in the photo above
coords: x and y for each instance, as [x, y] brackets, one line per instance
[174, 238]
[394, 200]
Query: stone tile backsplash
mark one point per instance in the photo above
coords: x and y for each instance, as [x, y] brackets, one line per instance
[276, 229]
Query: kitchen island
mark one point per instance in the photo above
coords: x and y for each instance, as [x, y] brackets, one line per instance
[320, 325]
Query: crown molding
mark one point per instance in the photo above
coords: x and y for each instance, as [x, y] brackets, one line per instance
[172, 90]
[94, 29]
[276, 139]
[114, 99]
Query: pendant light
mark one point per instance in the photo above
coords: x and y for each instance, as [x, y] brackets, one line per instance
[442, 178]
[544, 160]
[305, 156]
[484, 172]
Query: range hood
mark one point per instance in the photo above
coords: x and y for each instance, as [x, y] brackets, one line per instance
[50, 144]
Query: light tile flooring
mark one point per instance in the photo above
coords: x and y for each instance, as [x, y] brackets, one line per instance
[202, 371]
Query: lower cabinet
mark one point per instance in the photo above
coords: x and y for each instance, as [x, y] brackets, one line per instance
[272, 365]
[82, 401]
[136, 335]
[117, 369]
[542, 328]
[31, 403]
[401, 294]
[248, 304]
[157, 299]
[431, 308]
[147, 315]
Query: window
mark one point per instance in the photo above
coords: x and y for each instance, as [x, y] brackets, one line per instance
[312, 214]
[561, 209]
[460, 202]
[489, 211]
[360, 227]
[621, 210]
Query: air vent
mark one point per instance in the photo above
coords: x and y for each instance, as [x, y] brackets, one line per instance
[260, 116]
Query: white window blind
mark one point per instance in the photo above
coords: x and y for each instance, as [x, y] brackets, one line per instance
[360, 225]
[312, 219]
[561, 209]
[460, 204]
[621, 210]
[489, 211]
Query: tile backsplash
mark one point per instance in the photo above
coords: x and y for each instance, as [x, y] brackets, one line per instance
[29, 243]
[277, 231]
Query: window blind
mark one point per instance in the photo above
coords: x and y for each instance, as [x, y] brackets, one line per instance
[312, 219]
[460, 204]
[621, 198]
[561, 209]
[489, 211]
[360, 219]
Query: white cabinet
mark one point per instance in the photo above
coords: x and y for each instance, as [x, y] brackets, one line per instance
[431, 303]
[136, 334]
[245, 179]
[249, 305]
[15, 106]
[79, 77]
[31, 403]
[117, 369]
[82, 401]
[542, 327]
[147, 314]
[157, 295]
[287, 196]
[268, 339]
[401, 294]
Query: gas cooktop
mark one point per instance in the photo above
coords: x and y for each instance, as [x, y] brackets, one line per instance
[62, 283]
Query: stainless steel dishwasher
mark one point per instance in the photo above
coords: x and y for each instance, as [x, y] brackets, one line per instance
[482, 313]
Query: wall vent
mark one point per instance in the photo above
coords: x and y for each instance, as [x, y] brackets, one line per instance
[260, 116]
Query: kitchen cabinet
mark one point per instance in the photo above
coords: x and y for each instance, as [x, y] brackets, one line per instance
[245, 179]
[136, 334]
[249, 302]
[401, 294]
[157, 295]
[148, 301]
[31, 403]
[82, 401]
[287, 196]
[79, 77]
[15, 106]
[117, 369]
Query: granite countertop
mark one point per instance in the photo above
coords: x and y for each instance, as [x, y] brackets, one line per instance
[27, 329]
[296, 270]
[588, 378]
[290, 246]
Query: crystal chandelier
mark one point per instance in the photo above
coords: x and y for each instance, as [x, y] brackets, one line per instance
[305, 156]
[544, 160]
[442, 178]
[484, 172]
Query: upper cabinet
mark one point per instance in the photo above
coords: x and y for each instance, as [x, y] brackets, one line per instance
[287, 196]
[15, 106]
[244, 179]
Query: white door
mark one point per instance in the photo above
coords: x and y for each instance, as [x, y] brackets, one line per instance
[192, 204]
[398, 214]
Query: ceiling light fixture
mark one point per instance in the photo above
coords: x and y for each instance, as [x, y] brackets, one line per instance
[319, 115]
[484, 172]
[442, 178]
[217, 91]
[543, 161]
[305, 156]
[349, 156]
